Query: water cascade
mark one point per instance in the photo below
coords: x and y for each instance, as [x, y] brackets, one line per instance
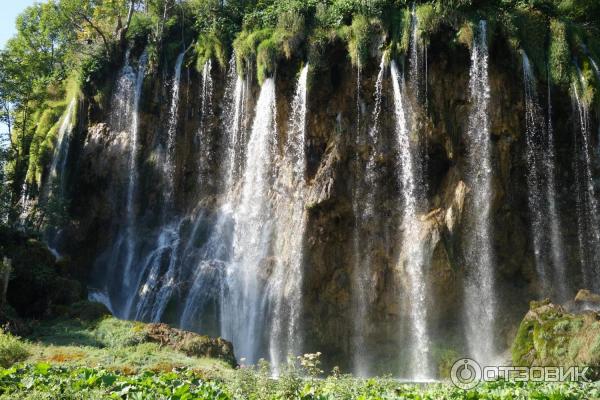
[480, 292]
[588, 220]
[417, 80]
[285, 294]
[244, 308]
[59, 160]
[364, 211]
[124, 118]
[133, 172]
[169, 165]
[544, 222]
[413, 253]
[155, 281]
[215, 253]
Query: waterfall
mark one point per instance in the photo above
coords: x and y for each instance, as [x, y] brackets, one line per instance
[59, 159]
[556, 238]
[363, 207]
[216, 251]
[164, 280]
[541, 188]
[587, 205]
[124, 118]
[130, 217]
[285, 294]
[243, 314]
[169, 167]
[480, 293]
[413, 249]
[417, 62]
[206, 93]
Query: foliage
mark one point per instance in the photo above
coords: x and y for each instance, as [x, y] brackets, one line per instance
[43, 379]
[12, 350]
[358, 37]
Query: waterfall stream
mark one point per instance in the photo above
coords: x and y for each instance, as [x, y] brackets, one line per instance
[544, 219]
[125, 118]
[243, 301]
[169, 165]
[556, 238]
[364, 211]
[480, 290]
[587, 205]
[130, 216]
[215, 253]
[59, 160]
[285, 295]
[413, 252]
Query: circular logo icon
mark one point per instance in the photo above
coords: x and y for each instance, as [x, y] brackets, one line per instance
[465, 373]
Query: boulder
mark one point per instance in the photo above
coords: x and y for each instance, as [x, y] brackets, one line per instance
[585, 297]
[551, 336]
[190, 343]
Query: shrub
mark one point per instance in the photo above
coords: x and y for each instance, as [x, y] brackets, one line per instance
[12, 350]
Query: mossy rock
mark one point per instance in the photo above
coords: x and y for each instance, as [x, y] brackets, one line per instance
[191, 344]
[549, 336]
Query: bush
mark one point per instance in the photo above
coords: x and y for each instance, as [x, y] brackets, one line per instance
[12, 350]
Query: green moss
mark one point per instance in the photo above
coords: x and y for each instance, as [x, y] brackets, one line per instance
[466, 34]
[528, 29]
[559, 53]
[523, 343]
[246, 47]
[429, 21]
[210, 46]
[41, 148]
[358, 39]
[268, 53]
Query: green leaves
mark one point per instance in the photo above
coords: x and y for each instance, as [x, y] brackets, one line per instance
[61, 382]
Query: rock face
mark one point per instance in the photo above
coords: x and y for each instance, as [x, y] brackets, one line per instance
[332, 149]
[551, 336]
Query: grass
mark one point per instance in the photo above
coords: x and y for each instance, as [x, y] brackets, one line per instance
[110, 359]
[110, 343]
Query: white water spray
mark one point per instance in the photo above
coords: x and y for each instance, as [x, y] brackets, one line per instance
[480, 286]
